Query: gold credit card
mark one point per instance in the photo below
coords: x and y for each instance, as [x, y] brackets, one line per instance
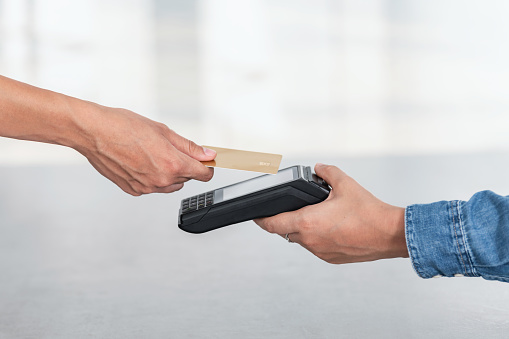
[245, 160]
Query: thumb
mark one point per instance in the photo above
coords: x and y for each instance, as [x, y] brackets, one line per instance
[190, 148]
[331, 174]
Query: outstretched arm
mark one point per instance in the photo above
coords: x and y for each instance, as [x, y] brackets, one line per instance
[138, 154]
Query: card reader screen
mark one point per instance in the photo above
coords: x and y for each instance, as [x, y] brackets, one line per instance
[257, 184]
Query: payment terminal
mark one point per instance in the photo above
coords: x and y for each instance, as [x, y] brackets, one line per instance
[264, 196]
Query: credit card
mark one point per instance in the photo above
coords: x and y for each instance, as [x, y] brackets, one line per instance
[245, 160]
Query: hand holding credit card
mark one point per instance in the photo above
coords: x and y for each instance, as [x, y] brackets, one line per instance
[245, 160]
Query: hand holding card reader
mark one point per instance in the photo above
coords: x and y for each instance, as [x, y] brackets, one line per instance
[264, 196]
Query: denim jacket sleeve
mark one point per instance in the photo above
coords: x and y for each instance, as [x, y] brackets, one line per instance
[460, 238]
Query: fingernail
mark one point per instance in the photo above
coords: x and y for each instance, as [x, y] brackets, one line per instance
[208, 151]
[319, 164]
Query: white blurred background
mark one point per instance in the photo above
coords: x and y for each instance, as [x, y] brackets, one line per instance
[302, 78]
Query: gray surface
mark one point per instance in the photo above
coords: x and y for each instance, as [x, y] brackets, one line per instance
[80, 259]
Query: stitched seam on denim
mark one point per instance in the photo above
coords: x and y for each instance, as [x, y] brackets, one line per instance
[411, 249]
[456, 236]
[463, 237]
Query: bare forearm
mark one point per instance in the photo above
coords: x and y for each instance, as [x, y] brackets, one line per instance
[138, 154]
[31, 113]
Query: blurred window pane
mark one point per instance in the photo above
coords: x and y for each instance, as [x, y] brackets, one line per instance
[301, 78]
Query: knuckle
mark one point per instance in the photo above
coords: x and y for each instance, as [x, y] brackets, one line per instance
[328, 168]
[132, 192]
[127, 189]
[312, 243]
[163, 128]
[269, 227]
[139, 189]
[209, 175]
[178, 187]
[161, 181]
[307, 242]
[145, 190]
[174, 167]
[191, 147]
[305, 222]
[135, 192]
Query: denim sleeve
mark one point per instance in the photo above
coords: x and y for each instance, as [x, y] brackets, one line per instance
[460, 238]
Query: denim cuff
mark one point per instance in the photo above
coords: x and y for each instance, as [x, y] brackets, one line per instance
[436, 240]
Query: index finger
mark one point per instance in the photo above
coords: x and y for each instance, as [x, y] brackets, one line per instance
[281, 224]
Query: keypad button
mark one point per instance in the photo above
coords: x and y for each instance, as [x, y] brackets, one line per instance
[197, 202]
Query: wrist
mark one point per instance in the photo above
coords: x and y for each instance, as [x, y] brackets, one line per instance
[79, 133]
[396, 247]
